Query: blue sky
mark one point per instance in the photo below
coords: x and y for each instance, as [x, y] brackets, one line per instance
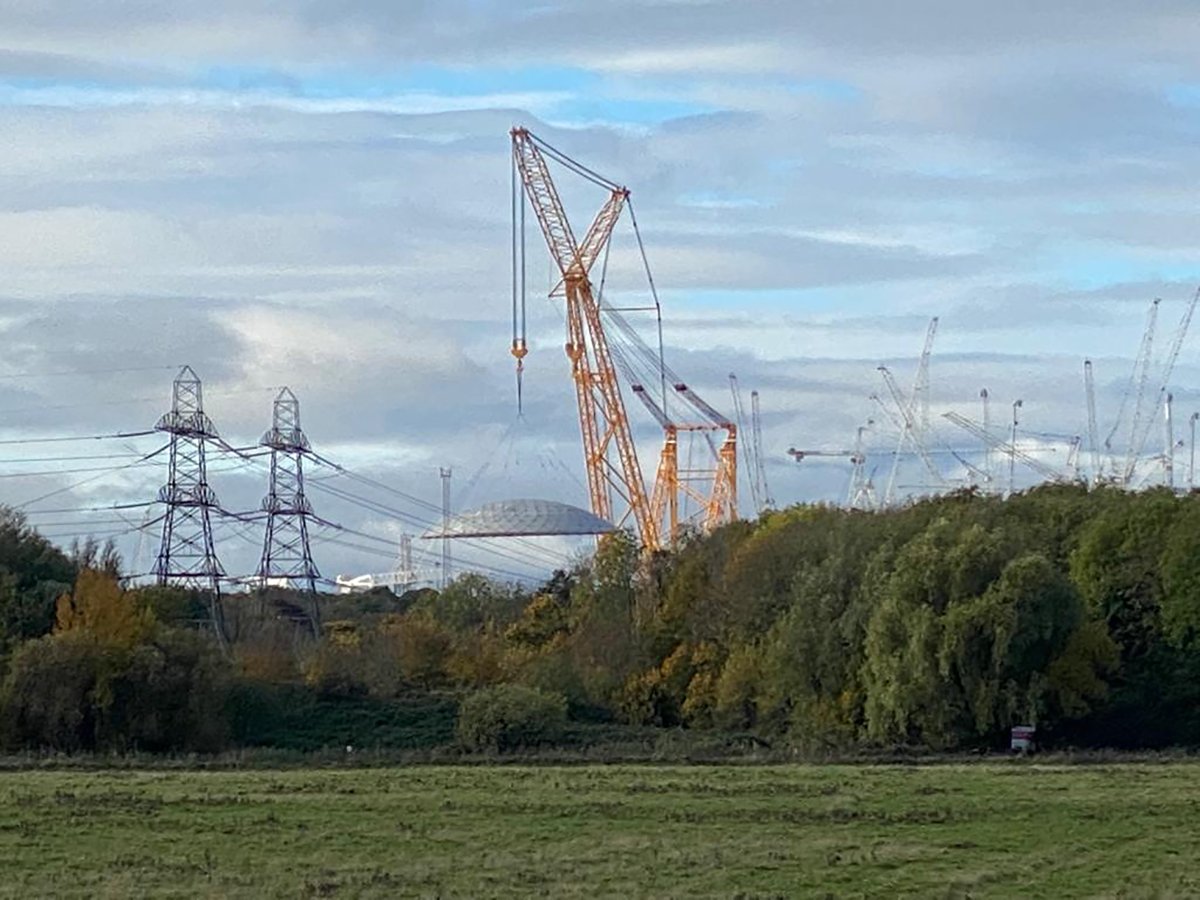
[318, 196]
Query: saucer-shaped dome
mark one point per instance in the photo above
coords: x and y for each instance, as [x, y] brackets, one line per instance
[513, 518]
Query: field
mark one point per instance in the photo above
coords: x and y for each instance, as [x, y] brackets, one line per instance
[985, 829]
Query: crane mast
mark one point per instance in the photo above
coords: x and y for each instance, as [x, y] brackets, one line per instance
[1089, 387]
[604, 425]
[984, 399]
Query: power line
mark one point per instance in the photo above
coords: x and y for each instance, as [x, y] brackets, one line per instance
[88, 437]
[86, 456]
[87, 372]
[72, 509]
[71, 487]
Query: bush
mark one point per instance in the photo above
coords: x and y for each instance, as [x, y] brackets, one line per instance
[51, 693]
[72, 691]
[297, 717]
[510, 716]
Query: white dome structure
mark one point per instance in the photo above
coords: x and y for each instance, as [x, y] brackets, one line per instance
[522, 518]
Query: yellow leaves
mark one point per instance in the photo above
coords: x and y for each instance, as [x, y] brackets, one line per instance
[98, 606]
[542, 620]
[736, 690]
[343, 634]
[680, 690]
[478, 660]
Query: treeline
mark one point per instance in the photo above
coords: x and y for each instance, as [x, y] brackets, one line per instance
[939, 626]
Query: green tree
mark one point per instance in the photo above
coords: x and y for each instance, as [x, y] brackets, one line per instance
[1116, 567]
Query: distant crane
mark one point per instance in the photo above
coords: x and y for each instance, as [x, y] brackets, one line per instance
[739, 414]
[1139, 438]
[855, 457]
[910, 432]
[1135, 388]
[913, 413]
[760, 471]
[1005, 447]
[752, 450]
[1192, 450]
[402, 577]
[862, 488]
[1089, 387]
[1168, 444]
[984, 398]
[861, 493]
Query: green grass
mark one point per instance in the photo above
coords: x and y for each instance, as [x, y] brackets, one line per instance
[986, 829]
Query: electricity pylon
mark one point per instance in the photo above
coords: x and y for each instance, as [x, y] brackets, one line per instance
[286, 556]
[186, 555]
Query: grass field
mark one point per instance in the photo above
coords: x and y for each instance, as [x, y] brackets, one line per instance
[1123, 830]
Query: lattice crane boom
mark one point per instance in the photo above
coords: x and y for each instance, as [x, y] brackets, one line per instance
[1167, 369]
[760, 468]
[1004, 446]
[1137, 387]
[748, 448]
[910, 425]
[604, 424]
[609, 451]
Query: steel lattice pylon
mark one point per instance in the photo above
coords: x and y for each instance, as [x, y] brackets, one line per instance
[186, 556]
[287, 556]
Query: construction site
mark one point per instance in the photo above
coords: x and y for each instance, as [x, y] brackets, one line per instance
[657, 458]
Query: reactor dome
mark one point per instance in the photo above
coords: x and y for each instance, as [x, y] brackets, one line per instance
[522, 518]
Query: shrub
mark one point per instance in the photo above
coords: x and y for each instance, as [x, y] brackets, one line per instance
[52, 691]
[510, 716]
[73, 691]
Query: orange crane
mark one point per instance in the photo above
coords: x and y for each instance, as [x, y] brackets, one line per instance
[615, 480]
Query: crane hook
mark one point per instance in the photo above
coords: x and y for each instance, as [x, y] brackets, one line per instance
[519, 351]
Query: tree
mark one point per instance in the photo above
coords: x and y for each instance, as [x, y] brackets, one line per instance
[100, 607]
[1180, 568]
[1116, 567]
[33, 572]
[997, 649]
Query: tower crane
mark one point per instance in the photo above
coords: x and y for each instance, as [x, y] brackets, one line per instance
[862, 489]
[984, 399]
[1138, 439]
[1168, 443]
[615, 480]
[861, 494]
[1089, 388]
[856, 458]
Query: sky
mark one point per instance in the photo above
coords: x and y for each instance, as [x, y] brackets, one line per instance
[317, 195]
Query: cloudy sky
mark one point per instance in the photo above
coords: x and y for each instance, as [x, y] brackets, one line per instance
[317, 195]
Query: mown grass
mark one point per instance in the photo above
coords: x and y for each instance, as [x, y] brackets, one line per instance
[983, 829]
